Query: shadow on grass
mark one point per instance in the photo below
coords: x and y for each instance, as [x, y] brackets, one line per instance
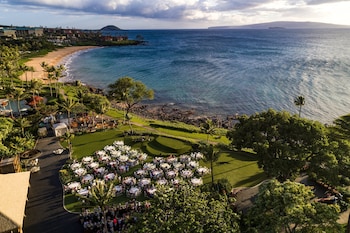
[252, 180]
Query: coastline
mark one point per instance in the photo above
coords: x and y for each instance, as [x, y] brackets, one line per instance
[52, 58]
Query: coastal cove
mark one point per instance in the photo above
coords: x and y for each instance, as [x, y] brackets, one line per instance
[225, 72]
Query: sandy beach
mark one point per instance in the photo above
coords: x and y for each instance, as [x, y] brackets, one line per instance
[52, 58]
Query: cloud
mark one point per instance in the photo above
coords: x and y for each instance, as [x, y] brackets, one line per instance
[168, 9]
[318, 2]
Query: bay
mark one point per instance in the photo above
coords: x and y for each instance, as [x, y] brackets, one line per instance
[228, 72]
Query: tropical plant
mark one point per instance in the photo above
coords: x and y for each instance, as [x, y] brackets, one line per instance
[68, 137]
[19, 94]
[130, 92]
[299, 101]
[68, 104]
[186, 209]
[284, 144]
[210, 155]
[100, 195]
[22, 123]
[288, 207]
[208, 128]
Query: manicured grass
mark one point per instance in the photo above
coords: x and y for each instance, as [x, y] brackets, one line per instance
[240, 168]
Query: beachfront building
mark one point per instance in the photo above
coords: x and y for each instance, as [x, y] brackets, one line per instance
[7, 33]
[13, 199]
[21, 32]
[29, 32]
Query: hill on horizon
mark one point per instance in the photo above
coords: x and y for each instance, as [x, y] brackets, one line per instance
[284, 25]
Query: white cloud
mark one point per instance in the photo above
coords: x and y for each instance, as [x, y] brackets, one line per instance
[172, 13]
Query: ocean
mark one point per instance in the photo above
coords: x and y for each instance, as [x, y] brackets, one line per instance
[227, 72]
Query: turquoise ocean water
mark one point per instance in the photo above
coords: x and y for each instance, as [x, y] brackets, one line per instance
[224, 72]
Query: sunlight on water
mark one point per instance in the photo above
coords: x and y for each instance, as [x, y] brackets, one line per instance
[231, 71]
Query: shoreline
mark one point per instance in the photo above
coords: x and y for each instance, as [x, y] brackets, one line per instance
[52, 58]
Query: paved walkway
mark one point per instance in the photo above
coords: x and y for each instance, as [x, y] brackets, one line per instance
[44, 210]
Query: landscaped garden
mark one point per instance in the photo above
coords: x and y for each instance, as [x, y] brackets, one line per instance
[165, 160]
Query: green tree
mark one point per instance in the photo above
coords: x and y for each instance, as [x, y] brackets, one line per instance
[68, 137]
[185, 209]
[50, 74]
[100, 195]
[57, 74]
[68, 104]
[299, 101]
[98, 103]
[211, 156]
[23, 123]
[284, 144]
[208, 128]
[9, 62]
[9, 93]
[19, 94]
[129, 92]
[289, 207]
[35, 87]
[341, 127]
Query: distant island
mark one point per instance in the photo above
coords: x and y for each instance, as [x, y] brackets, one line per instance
[284, 25]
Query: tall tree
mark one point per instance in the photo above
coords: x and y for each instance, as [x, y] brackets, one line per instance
[100, 195]
[68, 137]
[68, 104]
[35, 87]
[288, 207]
[208, 128]
[130, 92]
[341, 127]
[19, 94]
[284, 144]
[299, 101]
[50, 74]
[22, 123]
[57, 74]
[9, 61]
[9, 92]
[185, 209]
[210, 155]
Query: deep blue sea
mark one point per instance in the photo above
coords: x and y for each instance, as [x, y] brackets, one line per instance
[224, 72]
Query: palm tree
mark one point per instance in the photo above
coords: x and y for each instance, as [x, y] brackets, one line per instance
[50, 73]
[67, 137]
[300, 102]
[57, 74]
[210, 155]
[24, 68]
[208, 128]
[9, 90]
[68, 104]
[35, 87]
[19, 94]
[100, 194]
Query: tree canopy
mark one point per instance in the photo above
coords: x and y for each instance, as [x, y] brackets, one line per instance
[186, 209]
[289, 207]
[284, 144]
[130, 92]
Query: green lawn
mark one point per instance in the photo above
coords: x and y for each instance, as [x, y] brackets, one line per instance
[240, 168]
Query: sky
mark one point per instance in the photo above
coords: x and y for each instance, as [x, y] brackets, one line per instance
[168, 14]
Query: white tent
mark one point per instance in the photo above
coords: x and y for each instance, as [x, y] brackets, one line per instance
[13, 199]
[60, 129]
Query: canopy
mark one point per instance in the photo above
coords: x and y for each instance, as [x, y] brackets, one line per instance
[60, 129]
[13, 198]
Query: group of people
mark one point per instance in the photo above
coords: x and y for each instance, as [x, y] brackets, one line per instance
[118, 217]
